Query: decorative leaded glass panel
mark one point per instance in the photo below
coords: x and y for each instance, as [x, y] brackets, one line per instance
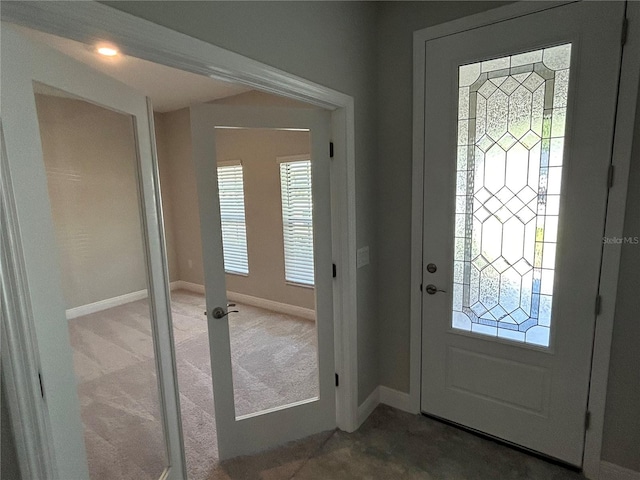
[511, 124]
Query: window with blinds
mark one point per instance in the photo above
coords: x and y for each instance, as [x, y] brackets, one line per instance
[297, 220]
[234, 232]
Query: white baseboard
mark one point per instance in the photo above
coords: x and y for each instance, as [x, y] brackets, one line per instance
[386, 396]
[396, 399]
[126, 298]
[401, 401]
[368, 406]
[271, 305]
[191, 287]
[251, 300]
[611, 471]
[105, 304]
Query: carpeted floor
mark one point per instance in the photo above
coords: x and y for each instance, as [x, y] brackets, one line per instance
[274, 359]
[113, 355]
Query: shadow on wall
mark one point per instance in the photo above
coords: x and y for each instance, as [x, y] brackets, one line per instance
[90, 158]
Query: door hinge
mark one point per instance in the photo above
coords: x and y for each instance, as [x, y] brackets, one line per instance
[610, 177]
[420, 287]
[598, 304]
[41, 386]
[330, 149]
[625, 31]
[587, 420]
[337, 380]
[335, 271]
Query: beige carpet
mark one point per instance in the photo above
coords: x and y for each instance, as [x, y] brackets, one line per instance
[274, 358]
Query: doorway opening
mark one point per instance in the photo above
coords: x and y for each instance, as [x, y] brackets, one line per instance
[96, 330]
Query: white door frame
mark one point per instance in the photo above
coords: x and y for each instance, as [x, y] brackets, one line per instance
[28, 62]
[89, 22]
[256, 431]
[621, 159]
[32, 434]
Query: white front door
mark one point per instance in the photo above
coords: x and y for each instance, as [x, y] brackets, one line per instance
[518, 132]
[242, 425]
[27, 65]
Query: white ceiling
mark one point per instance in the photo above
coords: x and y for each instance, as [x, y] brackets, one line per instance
[168, 88]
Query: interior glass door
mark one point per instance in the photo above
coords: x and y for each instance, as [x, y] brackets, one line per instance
[86, 193]
[273, 376]
[266, 213]
[90, 160]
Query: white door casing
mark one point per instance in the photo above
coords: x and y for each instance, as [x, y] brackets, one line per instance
[531, 396]
[25, 62]
[266, 429]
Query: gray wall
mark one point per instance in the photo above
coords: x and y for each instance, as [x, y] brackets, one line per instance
[621, 442]
[396, 23]
[167, 194]
[179, 197]
[331, 43]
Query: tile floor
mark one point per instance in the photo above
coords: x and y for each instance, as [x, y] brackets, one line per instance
[393, 445]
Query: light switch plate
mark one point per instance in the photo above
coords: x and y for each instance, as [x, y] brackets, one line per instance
[362, 257]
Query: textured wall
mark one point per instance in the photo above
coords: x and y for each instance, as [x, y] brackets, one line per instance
[90, 159]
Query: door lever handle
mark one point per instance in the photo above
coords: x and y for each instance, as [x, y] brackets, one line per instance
[219, 312]
[432, 289]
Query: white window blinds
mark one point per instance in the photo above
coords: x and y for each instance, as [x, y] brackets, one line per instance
[297, 220]
[234, 232]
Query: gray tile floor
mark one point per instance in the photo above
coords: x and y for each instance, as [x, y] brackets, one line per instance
[393, 445]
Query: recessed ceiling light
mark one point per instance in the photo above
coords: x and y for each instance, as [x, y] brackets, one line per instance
[107, 51]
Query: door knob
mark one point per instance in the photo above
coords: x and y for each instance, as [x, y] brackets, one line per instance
[219, 312]
[432, 289]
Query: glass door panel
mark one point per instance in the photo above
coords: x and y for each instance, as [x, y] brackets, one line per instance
[90, 160]
[269, 287]
[511, 125]
[266, 219]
